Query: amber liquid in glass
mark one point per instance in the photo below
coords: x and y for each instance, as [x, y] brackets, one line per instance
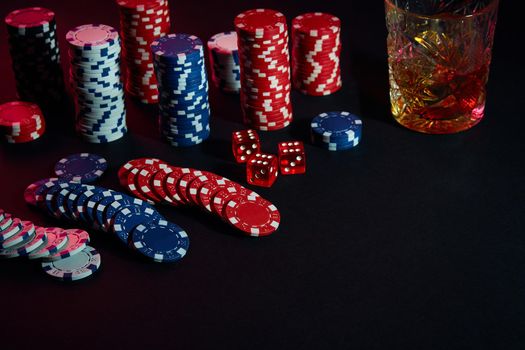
[438, 68]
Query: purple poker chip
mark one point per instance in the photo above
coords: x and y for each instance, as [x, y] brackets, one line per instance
[81, 167]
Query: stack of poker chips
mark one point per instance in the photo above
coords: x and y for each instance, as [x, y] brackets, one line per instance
[21, 122]
[316, 47]
[94, 50]
[141, 22]
[336, 131]
[224, 60]
[35, 55]
[265, 69]
[64, 253]
[184, 111]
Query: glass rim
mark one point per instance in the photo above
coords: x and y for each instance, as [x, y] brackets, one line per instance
[486, 9]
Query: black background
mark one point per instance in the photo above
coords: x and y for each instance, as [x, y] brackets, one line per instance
[409, 241]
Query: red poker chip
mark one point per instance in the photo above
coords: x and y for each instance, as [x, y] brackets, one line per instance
[253, 215]
[139, 5]
[171, 184]
[316, 22]
[195, 185]
[29, 17]
[18, 113]
[209, 189]
[25, 138]
[133, 187]
[158, 181]
[261, 22]
[183, 183]
[320, 90]
[144, 181]
[218, 199]
[126, 167]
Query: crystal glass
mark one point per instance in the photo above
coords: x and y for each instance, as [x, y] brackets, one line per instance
[439, 53]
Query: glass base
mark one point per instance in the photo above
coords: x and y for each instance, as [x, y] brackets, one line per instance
[442, 126]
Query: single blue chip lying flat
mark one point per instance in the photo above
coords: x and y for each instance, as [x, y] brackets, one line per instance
[82, 167]
[161, 241]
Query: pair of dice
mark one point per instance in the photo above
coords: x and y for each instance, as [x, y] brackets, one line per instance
[261, 168]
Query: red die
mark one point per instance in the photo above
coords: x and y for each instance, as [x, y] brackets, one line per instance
[291, 158]
[262, 169]
[245, 143]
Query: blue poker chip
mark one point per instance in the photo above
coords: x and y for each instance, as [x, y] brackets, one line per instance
[126, 219]
[50, 199]
[72, 198]
[114, 207]
[161, 241]
[335, 124]
[81, 167]
[62, 199]
[102, 205]
[92, 205]
[176, 47]
[82, 200]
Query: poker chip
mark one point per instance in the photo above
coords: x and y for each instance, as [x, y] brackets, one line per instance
[134, 188]
[158, 180]
[161, 241]
[264, 69]
[224, 60]
[16, 233]
[76, 241]
[336, 131]
[208, 190]
[21, 122]
[141, 22]
[94, 52]
[57, 239]
[76, 267]
[6, 221]
[91, 207]
[82, 167]
[30, 191]
[316, 47]
[35, 56]
[252, 215]
[126, 168]
[184, 110]
[129, 217]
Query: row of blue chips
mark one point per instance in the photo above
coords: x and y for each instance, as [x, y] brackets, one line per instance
[224, 59]
[336, 131]
[133, 221]
[96, 80]
[184, 110]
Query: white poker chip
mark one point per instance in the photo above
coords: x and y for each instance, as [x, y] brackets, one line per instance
[76, 267]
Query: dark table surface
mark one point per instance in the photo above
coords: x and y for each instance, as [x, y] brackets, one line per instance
[409, 241]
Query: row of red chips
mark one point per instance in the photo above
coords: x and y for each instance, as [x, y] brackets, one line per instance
[316, 47]
[21, 122]
[141, 22]
[155, 181]
[265, 69]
